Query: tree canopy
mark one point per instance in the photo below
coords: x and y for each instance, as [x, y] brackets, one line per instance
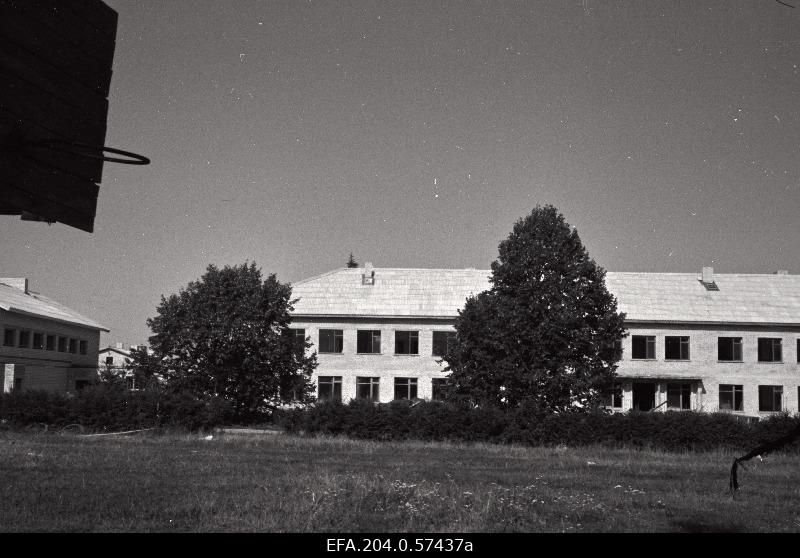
[546, 334]
[228, 335]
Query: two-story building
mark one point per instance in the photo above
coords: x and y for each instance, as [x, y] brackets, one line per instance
[45, 345]
[695, 341]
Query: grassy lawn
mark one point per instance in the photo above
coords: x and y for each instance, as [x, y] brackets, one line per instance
[277, 483]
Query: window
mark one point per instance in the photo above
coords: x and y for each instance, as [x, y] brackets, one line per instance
[405, 388]
[298, 337]
[73, 346]
[442, 341]
[613, 398]
[731, 397]
[367, 388]
[50, 343]
[643, 347]
[17, 384]
[24, 339]
[109, 361]
[62, 344]
[769, 350]
[331, 340]
[769, 398]
[9, 336]
[676, 348]
[729, 349]
[38, 341]
[82, 346]
[368, 342]
[798, 350]
[679, 396]
[329, 388]
[80, 384]
[406, 342]
[438, 388]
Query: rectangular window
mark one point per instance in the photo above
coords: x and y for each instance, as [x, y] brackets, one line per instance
[62, 344]
[50, 343]
[769, 349]
[331, 340]
[729, 349]
[368, 341]
[770, 398]
[298, 337]
[17, 384]
[731, 397]
[405, 388]
[613, 398]
[679, 396]
[82, 346]
[406, 342]
[109, 361]
[24, 339]
[676, 348]
[798, 350]
[73, 345]
[329, 388]
[438, 388]
[9, 337]
[643, 347]
[38, 341]
[367, 388]
[442, 341]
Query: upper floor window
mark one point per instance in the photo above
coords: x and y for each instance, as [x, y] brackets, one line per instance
[9, 337]
[82, 346]
[62, 344]
[406, 342]
[442, 341]
[368, 341]
[73, 345]
[729, 349]
[769, 349]
[331, 340]
[770, 398]
[643, 347]
[24, 339]
[50, 342]
[676, 348]
[298, 337]
[38, 341]
[109, 361]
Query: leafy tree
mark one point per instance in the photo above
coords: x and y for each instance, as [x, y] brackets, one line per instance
[545, 335]
[227, 335]
[351, 262]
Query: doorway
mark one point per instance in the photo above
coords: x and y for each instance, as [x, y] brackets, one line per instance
[644, 396]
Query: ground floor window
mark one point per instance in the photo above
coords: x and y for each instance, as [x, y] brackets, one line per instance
[731, 397]
[613, 398]
[679, 396]
[405, 388]
[80, 384]
[770, 398]
[329, 388]
[367, 388]
[438, 387]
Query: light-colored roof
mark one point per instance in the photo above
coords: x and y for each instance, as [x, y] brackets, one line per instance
[16, 300]
[644, 297]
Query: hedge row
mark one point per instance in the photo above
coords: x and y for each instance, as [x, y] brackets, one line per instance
[112, 407]
[400, 420]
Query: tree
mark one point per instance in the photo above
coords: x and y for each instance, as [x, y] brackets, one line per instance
[546, 334]
[351, 262]
[227, 335]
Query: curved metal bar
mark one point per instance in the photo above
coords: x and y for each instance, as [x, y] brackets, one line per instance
[90, 151]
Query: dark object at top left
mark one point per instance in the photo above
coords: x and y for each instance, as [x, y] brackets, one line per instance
[56, 58]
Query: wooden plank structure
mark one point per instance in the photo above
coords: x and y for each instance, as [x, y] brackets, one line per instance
[56, 58]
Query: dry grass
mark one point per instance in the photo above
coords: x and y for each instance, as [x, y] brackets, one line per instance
[279, 483]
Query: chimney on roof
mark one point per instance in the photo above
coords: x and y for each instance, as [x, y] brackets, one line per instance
[20, 283]
[368, 277]
[708, 275]
[782, 272]
[119, 345]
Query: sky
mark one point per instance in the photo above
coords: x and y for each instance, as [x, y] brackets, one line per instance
[414, 134]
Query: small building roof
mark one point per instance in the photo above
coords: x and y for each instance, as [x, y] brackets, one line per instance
[757, 299]
[18, 301]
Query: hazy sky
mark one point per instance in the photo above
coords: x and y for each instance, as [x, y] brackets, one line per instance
[414, 134]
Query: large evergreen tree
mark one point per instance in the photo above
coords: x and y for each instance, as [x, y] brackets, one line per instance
[546, 333]
[227, 335]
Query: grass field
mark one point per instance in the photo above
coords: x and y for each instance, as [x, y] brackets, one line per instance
[277, 483]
